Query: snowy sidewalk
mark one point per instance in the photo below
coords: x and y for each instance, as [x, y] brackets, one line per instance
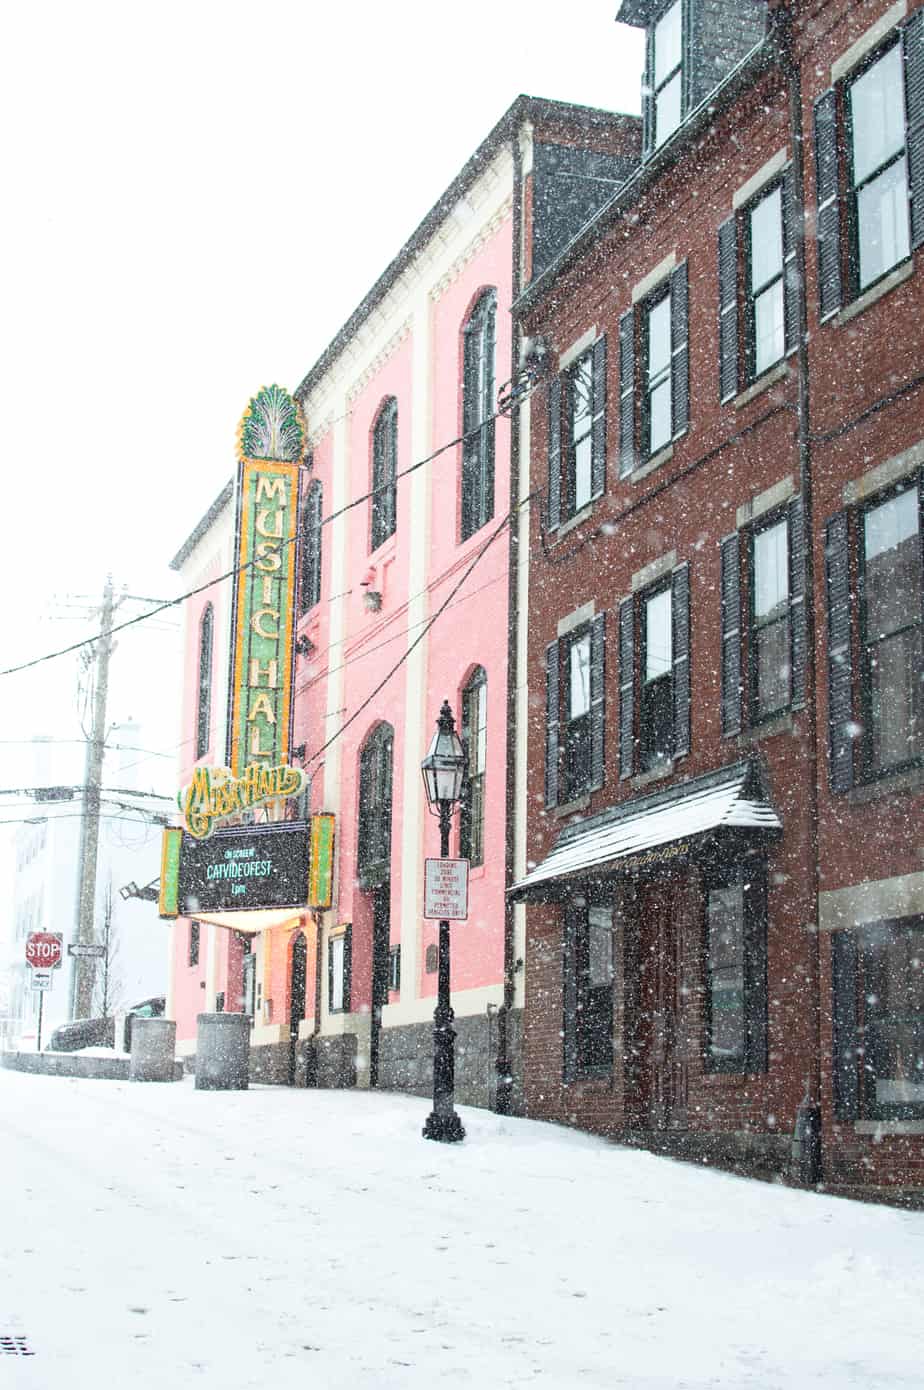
[155, 1236]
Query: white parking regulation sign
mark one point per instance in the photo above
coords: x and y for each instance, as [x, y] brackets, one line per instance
[446, 890]
[43, 979]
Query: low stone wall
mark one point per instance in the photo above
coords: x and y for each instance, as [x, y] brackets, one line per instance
[78, 1064]
[406, 1059]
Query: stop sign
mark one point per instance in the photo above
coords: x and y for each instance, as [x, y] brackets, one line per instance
[43, 950]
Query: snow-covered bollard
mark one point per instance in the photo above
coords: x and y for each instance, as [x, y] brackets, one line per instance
[222, 1052]
[153, 1048]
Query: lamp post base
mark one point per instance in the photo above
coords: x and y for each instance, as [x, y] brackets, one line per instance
[445, 1129]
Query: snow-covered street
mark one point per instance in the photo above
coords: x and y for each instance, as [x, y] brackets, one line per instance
[159, 1236]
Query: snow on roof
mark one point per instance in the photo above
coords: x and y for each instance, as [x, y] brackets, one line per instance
[728, 799]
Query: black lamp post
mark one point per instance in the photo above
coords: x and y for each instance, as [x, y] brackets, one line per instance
[444, 773]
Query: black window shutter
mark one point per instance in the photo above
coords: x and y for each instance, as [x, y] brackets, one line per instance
[552, 709]
[792, 286]
[755, 906]
[554, 453]
[840, 673]
[348, 970]
[728, 309]
[648, 94]
[730, 551]
[680, 349]
[827, 222]
[914, 106]
[797, 614]
[626, 687]
[597, 703]
[844, 1059]
[626, 392]
[598, 464]
[680, 619]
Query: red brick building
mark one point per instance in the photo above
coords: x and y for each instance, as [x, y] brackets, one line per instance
[721, 771]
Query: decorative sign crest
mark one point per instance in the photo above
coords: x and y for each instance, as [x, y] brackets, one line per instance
[215, 795]
[272, 427]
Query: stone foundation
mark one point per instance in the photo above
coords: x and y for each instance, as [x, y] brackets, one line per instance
[406, 1060]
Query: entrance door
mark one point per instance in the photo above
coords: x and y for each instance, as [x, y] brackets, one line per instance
[381, 935]
[248, 979]
[297, 998]
[660, 1073]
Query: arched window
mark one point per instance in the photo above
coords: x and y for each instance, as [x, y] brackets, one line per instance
[204, 702]
[478, 415]
[384, 471]
[375, 777]
[475, 738]
[311, 546]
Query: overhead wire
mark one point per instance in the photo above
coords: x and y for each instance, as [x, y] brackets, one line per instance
[239, 569]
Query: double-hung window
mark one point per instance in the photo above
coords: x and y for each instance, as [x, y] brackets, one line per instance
[878, 981]
[654, 674]
[877, 720]
[656, 713]
[577, 434]
[736, 970]
[758, 287]
[375, 800]
[575, 669]
[475, 739]
[654, 373]
[763, 618]
[771, 657]
[891, 620]
[384, 473]
[869, 168]
[339, 972]
[311, 546]
[664, 76]
[478, 409]
[204, 694]
[588, 990]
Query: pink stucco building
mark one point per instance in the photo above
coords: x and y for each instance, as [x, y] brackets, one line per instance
[408, 575]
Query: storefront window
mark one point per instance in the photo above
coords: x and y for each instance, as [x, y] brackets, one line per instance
[891, 1012]
[588, 990]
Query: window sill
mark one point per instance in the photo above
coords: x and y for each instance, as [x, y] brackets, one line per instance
[573, 521]
[877, 1127]
[654, 774]
[909, 780]
[571, 808]
[883, 287]
[763, 383]
[771, 728]
[662, 456]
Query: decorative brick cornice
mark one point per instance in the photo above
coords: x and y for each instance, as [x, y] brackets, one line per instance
[375, 366]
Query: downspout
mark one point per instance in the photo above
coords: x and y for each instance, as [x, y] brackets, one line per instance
[504, 1087]
[808, 1120]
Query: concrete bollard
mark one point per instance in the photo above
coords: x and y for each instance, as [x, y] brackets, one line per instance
[222, 1052]
[153, 1048]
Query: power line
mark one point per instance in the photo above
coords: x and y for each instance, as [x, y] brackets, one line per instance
[313, 757]
[239, 569]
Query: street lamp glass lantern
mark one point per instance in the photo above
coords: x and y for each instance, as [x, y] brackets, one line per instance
[444, 766]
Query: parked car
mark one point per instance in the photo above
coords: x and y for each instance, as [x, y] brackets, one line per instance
[100, 1032]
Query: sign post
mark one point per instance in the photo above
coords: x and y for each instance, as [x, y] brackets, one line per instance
[44, 950]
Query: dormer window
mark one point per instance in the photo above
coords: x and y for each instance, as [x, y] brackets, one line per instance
[666, 73]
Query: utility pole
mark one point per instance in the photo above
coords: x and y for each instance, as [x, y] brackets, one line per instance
[84, 970]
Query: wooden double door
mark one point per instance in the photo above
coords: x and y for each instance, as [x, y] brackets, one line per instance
[659, 1005]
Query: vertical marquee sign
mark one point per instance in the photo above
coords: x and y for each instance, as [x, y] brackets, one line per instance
[271, 440]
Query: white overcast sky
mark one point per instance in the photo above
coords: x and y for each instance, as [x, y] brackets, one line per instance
[196, 197]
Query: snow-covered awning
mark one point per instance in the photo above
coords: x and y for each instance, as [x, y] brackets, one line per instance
[653, 830]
